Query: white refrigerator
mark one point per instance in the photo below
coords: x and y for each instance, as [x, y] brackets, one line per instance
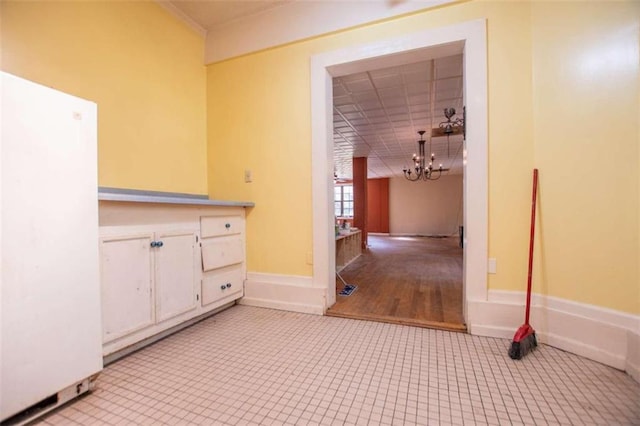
[50, 341]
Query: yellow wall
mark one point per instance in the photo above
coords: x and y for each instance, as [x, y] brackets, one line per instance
[586, 85]
[139, 64]
[256, 122]
[539, 114]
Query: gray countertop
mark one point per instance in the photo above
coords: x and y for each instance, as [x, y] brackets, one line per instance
[137, 196]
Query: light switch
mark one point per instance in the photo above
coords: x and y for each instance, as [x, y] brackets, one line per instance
[492, 265]
[248, 176]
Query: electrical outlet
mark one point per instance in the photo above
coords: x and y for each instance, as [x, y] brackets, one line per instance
[248, 176]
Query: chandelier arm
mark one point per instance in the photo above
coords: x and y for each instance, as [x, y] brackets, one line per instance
[409, 178]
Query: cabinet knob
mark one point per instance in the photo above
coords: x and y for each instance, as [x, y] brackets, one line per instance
[153, 244]
[223, 287]
[160, 244]
[227, 225]
[228, 285]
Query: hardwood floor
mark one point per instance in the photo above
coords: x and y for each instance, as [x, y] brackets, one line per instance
[406, 280]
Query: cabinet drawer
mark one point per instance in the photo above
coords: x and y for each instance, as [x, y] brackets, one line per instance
[219, 252]
[215, 226]
[222, 284]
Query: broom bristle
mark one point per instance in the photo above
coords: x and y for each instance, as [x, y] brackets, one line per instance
[517, 350]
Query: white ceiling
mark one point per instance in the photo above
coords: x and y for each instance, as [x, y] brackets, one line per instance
[209, 14]
[377, 113]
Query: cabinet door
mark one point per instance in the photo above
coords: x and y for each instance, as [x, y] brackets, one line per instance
[175, 266]
[126, 268]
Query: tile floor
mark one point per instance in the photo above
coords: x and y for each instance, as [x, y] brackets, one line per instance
[249, 366]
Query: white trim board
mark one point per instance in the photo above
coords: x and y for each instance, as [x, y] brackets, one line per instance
[284, 292]
[299, 20]
[468, 37]
[604, 335]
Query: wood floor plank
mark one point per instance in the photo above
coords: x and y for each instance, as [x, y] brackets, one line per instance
[406, 280]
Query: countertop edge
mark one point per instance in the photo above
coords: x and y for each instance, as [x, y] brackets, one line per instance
[137, 198]
[341, 236]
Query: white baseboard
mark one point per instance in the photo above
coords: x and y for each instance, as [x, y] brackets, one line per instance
[604, 335]
[284, 292]
[633, 355]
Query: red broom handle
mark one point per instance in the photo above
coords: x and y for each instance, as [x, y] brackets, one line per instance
[533, 229]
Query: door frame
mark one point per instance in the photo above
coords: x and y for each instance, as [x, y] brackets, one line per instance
[469, 38]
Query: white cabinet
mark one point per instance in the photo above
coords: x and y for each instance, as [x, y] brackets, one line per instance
[126, 271]
[147, 278]
[163, 267]
[222, 258]
[175, 273]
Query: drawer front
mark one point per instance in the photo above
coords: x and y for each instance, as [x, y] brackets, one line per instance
[219, 252]
[222, 284]
[215, 226]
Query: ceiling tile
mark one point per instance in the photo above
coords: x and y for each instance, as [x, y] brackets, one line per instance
[398, 110]
[342, 100]
[392, 80]
[418, 89]
[353, 77]
[368, 105]
[347, 108]
[367, 96]
[416, 78]
[351, 116]
[359, 85]
[423, 67]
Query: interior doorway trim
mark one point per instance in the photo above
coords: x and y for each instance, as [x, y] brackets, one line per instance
[468, 37]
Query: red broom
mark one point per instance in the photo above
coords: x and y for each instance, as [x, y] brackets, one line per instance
[524, 340]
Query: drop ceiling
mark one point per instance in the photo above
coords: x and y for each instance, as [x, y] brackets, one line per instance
[377, 114]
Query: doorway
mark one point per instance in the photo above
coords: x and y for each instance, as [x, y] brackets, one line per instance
[381, 114]
[470, 38]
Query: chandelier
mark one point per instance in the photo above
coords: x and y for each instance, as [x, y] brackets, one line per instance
[421, 170]
[450, 126]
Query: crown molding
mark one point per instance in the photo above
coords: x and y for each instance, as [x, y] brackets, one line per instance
[170, 7]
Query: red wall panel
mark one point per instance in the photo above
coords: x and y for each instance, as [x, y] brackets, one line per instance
[378, 205]
[360, 211]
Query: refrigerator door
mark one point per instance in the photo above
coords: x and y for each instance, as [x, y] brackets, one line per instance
[50, 301]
